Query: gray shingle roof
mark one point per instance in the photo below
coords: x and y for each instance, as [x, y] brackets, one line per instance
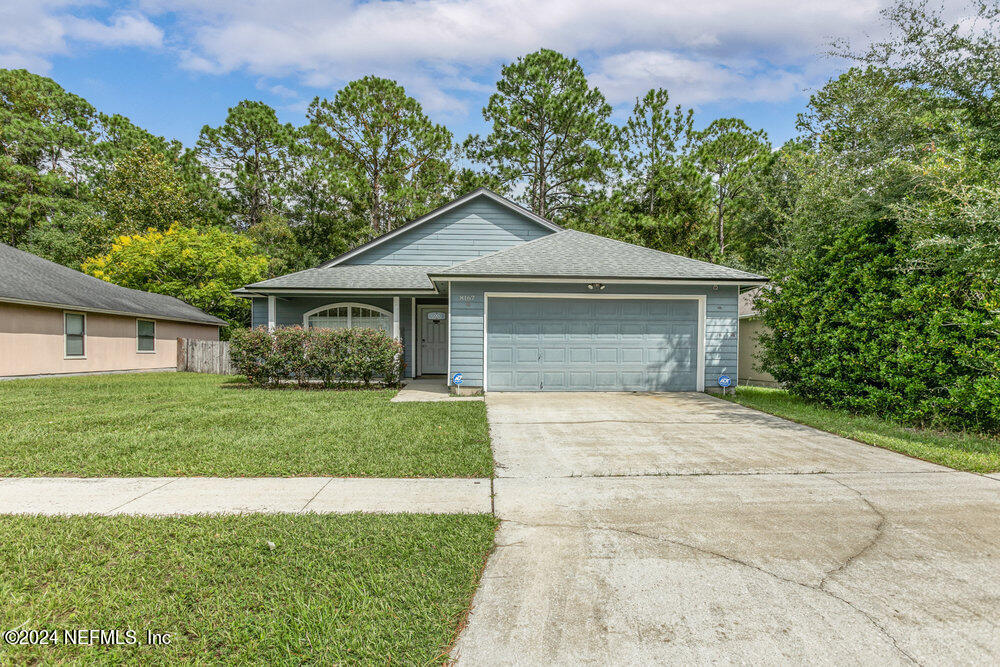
[353, 276]
[27, 277]
[570, 253]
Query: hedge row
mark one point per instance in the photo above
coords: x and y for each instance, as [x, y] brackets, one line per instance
[337, 357]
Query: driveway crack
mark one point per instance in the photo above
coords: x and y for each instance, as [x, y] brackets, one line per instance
[736, 561]
[879, 529]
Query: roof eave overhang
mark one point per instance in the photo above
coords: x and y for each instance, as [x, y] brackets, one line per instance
[106, 311]
[439, 277]
[306, 291]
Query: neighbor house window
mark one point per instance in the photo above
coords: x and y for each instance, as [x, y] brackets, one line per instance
[75, 333]
[347, 315]
[145, 331]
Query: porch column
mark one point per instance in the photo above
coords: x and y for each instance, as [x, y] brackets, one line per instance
[272, 310]
[395, 318]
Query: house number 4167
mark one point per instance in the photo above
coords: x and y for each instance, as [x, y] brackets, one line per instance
[466, 297]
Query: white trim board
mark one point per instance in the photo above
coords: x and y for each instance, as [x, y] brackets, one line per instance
[605, 281]
[702, 300]
[480, 192]
[413, 336]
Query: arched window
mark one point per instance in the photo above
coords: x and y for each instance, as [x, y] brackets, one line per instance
[347, 315]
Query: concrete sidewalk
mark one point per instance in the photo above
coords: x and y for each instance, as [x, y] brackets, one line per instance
[217, 495]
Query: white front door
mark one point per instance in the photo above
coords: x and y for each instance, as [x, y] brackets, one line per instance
[433, 328]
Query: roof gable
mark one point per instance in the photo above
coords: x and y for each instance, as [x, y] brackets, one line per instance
[573, 254]
[479, 223]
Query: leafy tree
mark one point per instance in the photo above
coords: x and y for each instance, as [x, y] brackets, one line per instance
[319, 212]
[390, 157]
[276, 240]
[732, 154]
[45, 135]
[143, 191]
[119, 138]
[656, 143]
[199, 266]
[957, 63]
[250, 151]
[550, 133]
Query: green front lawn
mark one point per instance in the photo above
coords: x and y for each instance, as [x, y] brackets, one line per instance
[333, 590]
[170, 424]
[961, 451]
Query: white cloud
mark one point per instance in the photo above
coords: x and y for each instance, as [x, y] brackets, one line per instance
[690, 81]
[442, 48]
[31, 33]
[447, 51]
[122, 30]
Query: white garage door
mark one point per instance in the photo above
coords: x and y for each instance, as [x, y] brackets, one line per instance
[560, 344]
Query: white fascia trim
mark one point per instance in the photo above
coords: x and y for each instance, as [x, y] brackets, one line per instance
[481, 192]
[334, 292]
[606, 281]
[702, 300]
[103, 311]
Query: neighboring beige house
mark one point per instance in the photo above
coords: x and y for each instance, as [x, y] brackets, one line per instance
[751, 326]
[54, 320]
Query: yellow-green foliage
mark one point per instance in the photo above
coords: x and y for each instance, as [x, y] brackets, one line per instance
[199, 266]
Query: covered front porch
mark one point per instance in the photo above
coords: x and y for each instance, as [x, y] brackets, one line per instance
[420, 322]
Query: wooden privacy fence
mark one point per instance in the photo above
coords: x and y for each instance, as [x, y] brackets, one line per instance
[204, 356]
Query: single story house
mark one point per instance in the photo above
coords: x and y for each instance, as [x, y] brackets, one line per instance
[492, 297]
[54, 320]
[751, 327]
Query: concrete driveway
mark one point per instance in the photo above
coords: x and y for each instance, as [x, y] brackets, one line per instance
[682, 528]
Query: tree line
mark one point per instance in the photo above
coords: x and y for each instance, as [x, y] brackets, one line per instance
[74, 179]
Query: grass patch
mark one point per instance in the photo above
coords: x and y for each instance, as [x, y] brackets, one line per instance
[335, 589]
[961, 451]
[181, 424]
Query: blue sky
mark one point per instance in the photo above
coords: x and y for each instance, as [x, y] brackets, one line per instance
[175, 65]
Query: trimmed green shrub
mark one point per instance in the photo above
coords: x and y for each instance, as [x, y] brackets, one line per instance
[854, 325]
[337, 357]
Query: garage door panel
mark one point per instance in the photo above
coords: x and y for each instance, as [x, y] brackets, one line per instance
[632, 355]
[501, 354]
[526, 355]
[592, 344]
[553, 355]
[606, 355]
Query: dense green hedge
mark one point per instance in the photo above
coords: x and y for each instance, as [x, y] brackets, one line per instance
[334, 357]
[855, 325]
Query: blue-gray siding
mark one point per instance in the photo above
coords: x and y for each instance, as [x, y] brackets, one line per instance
[476, 228]
[467, 299]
